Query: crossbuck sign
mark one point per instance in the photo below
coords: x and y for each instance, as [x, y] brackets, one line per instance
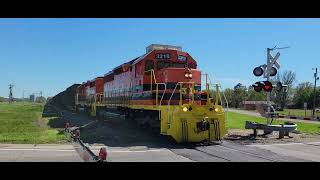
[271, 61]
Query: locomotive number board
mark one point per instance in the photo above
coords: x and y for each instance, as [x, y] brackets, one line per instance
[163, 56]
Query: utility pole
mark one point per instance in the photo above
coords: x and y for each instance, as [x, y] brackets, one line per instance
[23, 94]
[10, 93]
[314, 90]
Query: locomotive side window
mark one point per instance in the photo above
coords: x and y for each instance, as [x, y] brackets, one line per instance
[182, 58]
[149, 66]
[192, 66]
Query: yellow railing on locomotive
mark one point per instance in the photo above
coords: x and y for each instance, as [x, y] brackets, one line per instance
[209, 100]
[80, 98]
[183, 90]
[99, 99]
[153, 76]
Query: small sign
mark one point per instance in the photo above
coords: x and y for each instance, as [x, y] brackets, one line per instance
[305, 105]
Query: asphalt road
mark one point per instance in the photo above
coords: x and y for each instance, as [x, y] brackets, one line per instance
[293, 152]
[306, 151]
[226, 152]
[39, 153]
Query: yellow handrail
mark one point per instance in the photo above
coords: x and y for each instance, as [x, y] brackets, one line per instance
[153, 76]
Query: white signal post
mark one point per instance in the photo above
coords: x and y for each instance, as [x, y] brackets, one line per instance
[270, 62]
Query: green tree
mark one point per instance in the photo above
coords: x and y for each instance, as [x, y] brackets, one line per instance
[229, 96]
[286, 94]
[303, 93]
[252, 95]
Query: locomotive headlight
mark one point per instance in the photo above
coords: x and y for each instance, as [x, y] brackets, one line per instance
[216, 109]
[184, 109]
[188, 75]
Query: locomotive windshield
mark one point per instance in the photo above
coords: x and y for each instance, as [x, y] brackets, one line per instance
[163, 64]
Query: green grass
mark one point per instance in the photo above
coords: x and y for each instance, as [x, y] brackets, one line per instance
[296, 112]
[22, 123]
[237, 121]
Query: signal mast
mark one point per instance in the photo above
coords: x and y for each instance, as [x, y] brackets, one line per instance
[267, 70]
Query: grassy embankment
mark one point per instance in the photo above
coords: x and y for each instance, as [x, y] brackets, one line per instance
[23, 123]
[237, 121]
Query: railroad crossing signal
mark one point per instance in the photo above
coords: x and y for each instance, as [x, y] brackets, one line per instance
[268, 70]
[267, 86]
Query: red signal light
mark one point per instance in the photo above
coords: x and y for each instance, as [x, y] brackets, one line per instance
[267, 86]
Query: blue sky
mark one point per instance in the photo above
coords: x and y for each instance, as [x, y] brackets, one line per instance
[50, 54]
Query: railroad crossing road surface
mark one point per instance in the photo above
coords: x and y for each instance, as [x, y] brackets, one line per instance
[228, 151]
[38, 153]
[293, 152]
[140, 154]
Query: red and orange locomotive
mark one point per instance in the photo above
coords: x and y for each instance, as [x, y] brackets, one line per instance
[160, 90]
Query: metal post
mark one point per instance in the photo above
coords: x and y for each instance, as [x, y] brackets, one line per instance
[180, 101]
[314, 91]
[207, 88]
[217, 95]
[10, 93]
[192, 91]
[157, 88]
[268, 78]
